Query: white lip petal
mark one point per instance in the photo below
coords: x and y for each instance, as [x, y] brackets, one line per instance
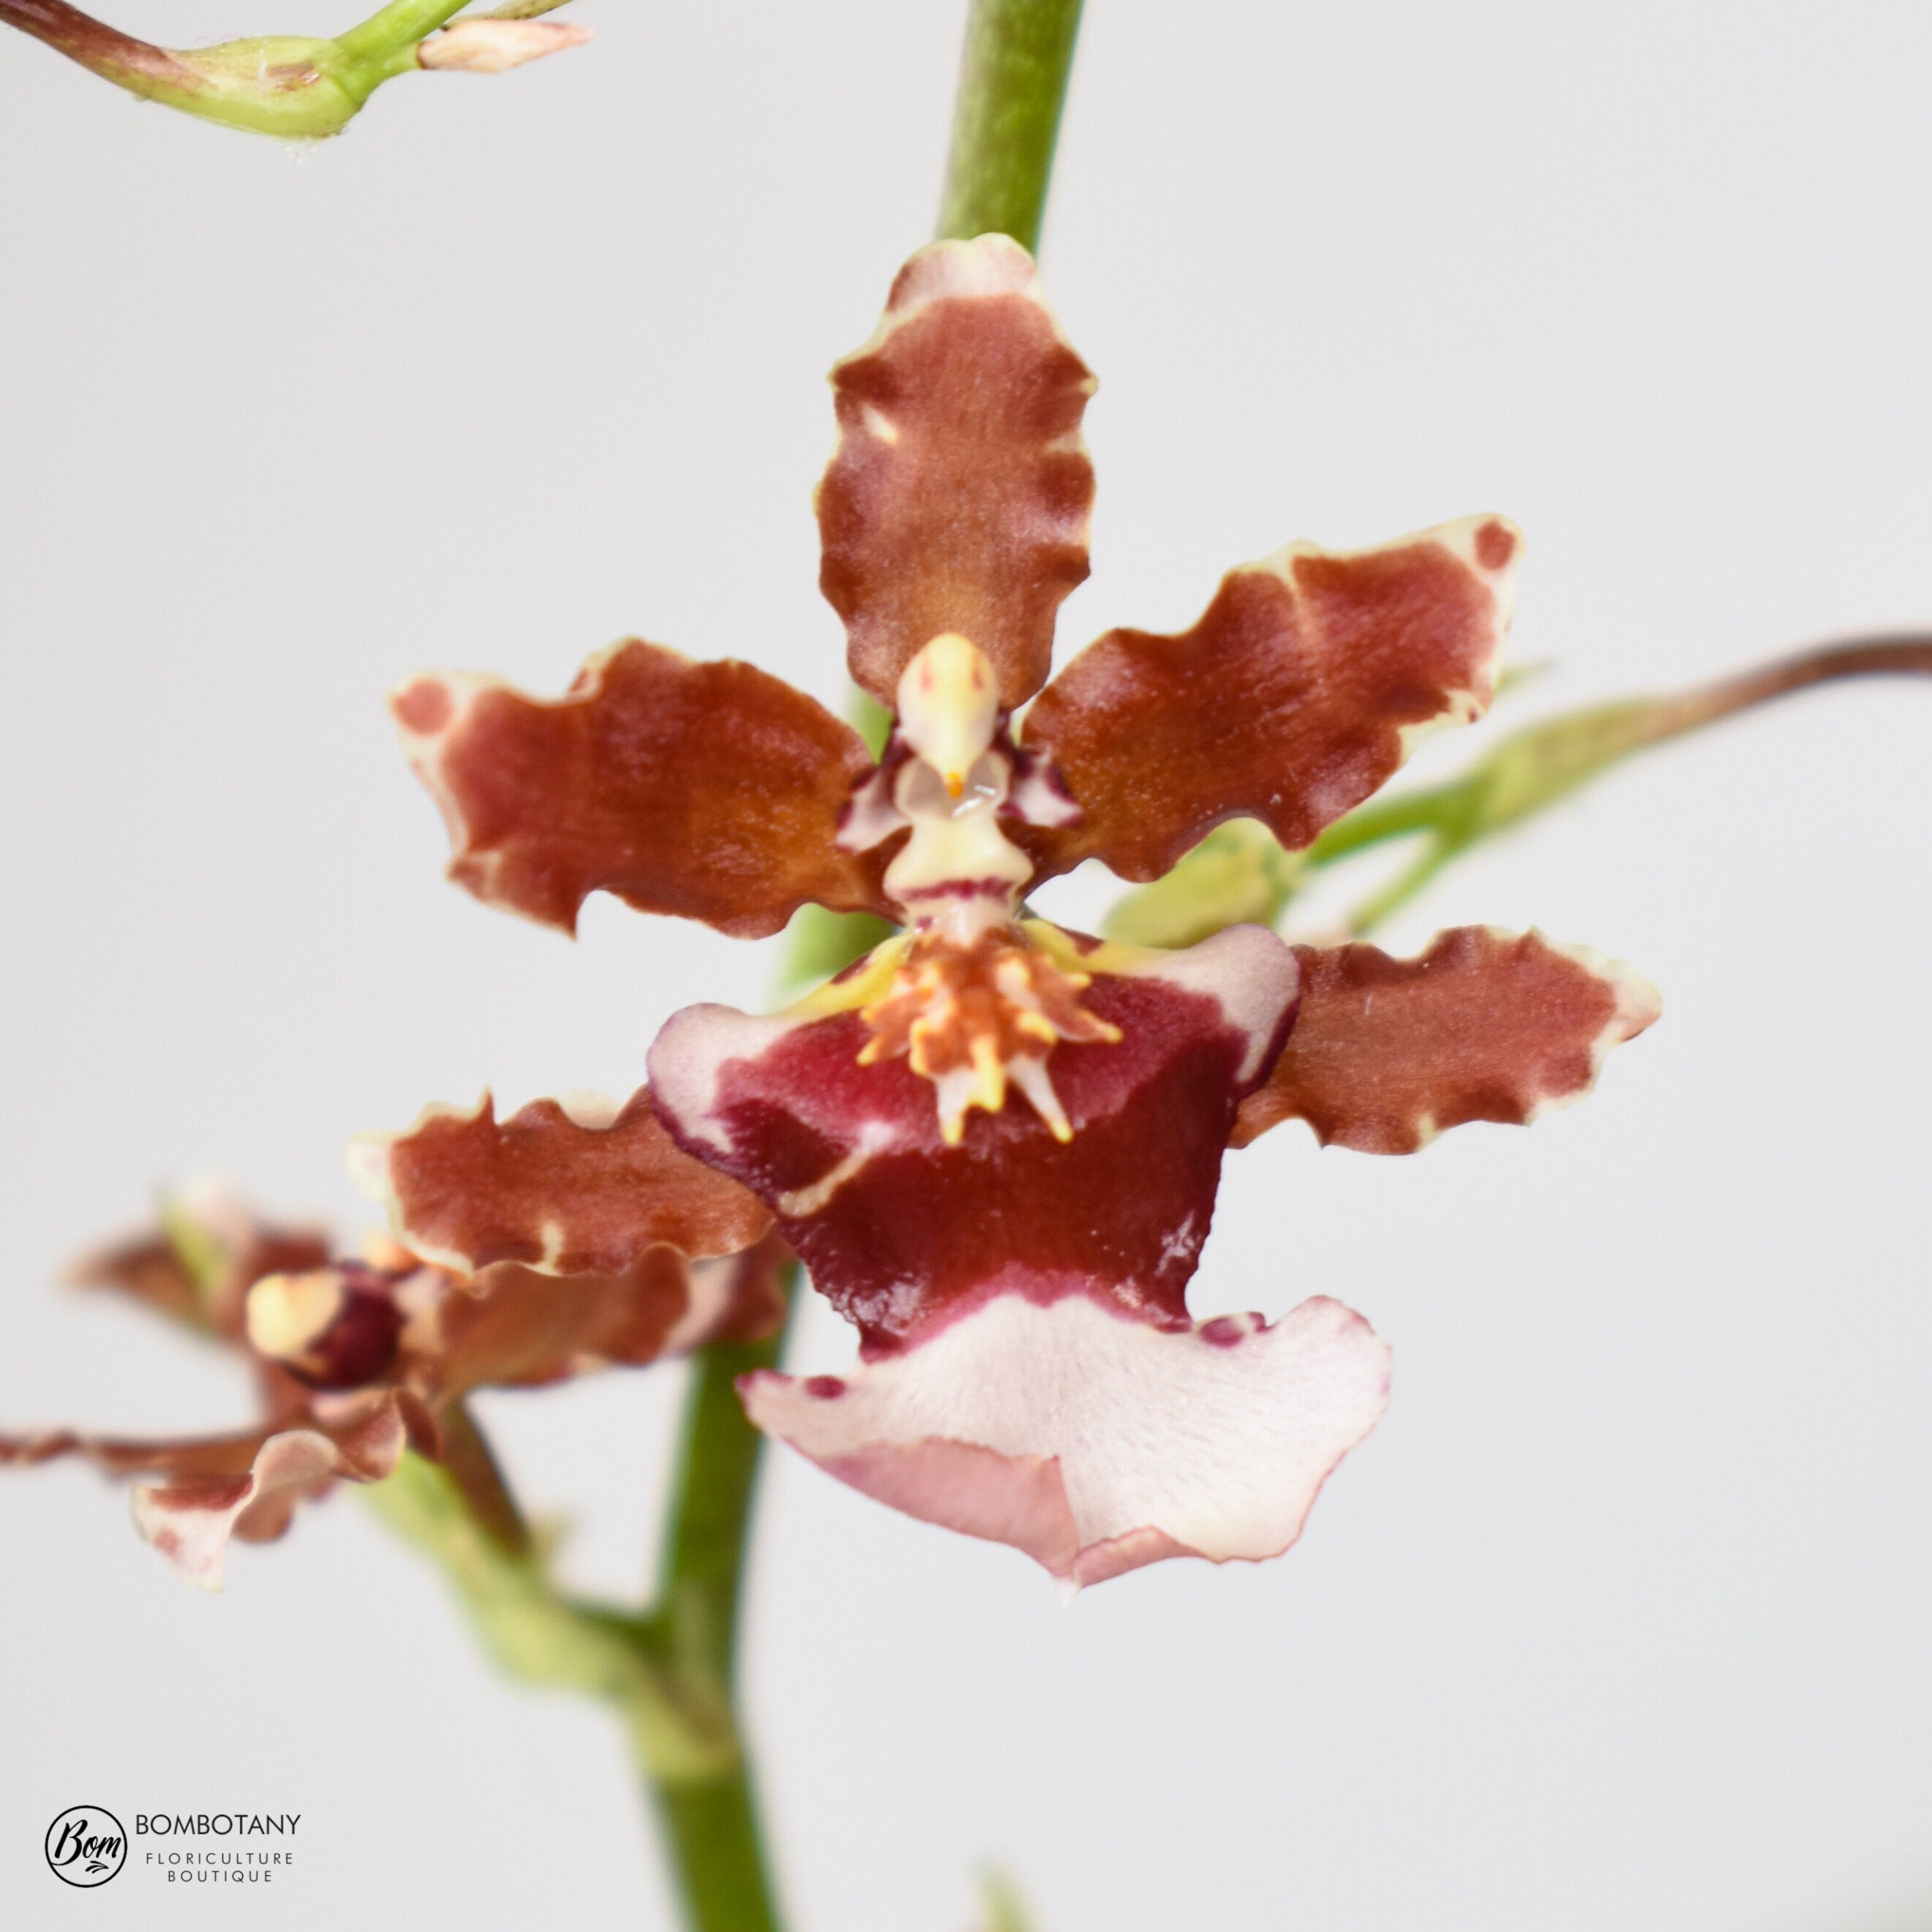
[1092, 1442]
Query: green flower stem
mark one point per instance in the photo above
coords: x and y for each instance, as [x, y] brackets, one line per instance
[700, 1576]
[1006, 118]
[713, 1829]
[532, 1632]
[710, 1816]
[668, 1673]
[300, 87]
[400, 24]
[471, 1464]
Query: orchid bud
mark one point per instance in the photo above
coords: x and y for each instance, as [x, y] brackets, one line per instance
[494, 46]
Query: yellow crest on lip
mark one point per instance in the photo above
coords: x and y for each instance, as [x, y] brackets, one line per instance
[973, 1018]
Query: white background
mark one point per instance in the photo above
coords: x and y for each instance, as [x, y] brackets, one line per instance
[1620, 1619]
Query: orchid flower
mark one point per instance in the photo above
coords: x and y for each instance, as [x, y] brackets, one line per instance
[355, 1358]
[996, 1144]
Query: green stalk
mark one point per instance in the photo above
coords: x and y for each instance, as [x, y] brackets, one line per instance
[709, 1813]
[400, 24]
[1006, 118]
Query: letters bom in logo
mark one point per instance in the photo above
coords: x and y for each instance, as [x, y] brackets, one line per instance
[86, 1846]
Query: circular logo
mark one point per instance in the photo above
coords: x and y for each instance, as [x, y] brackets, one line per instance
[85, 1846]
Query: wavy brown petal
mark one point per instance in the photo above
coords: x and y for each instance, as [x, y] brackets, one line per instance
[514, 1328]
[1485, 1025]
[247, 1484]
[959, 495]
[549, 1192]
[1298, 694]
[712, 791]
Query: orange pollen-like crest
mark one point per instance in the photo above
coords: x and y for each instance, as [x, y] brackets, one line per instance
[970, 1018]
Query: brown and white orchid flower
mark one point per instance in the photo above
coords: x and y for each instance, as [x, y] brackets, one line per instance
[357, 1359]
[997, 1144]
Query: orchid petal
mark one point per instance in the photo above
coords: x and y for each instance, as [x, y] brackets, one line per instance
[1094, 1442]
[555, 1193]
[516, 1329]
[245, 1485]
[1485, 1025]
[1298, 693]
[191, 1521]
[959, 496]
[899, 1228]
[708, 790]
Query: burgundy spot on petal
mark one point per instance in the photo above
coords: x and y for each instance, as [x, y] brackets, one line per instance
[423, 707]
[825, 1387]
[1495, 544]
